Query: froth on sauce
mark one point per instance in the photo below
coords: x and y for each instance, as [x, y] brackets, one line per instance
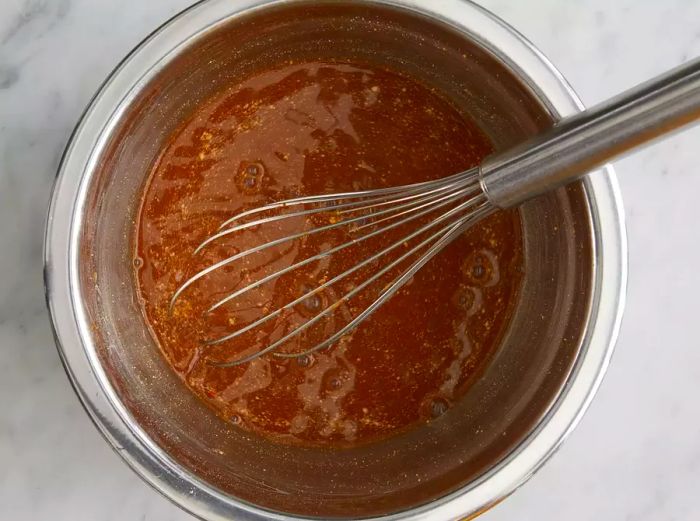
[311, 128]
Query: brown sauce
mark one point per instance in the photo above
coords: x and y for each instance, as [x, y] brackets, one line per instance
[312, 128]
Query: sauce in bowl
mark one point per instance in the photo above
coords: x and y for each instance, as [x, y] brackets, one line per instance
[310, 128]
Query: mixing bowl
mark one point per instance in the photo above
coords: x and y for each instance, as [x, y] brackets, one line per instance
[535, 388]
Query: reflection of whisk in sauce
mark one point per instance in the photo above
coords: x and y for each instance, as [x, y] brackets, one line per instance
[306, 129]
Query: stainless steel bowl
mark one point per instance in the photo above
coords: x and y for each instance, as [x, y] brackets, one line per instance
[529, 398]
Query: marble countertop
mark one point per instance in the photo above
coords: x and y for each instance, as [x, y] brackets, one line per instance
[635, 456]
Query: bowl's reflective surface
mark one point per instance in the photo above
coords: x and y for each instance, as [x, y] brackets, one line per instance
[570, 304]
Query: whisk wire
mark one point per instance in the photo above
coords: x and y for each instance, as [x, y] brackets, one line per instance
[309, 199]
[346, 207]
[443, 236]
[336, 249]
[457, 201]
[331, 281]
[448, 229]
[345, 222]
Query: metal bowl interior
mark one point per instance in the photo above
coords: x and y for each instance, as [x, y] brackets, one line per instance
[213, 468]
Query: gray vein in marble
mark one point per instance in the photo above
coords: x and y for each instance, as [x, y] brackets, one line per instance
[9, 75]
[29, 12]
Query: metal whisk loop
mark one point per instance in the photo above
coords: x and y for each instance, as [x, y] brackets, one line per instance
[456, 201]
[443, 202]
[309, 199]
[443, 237]
[414, 192]
[452, 182]
[342, 275]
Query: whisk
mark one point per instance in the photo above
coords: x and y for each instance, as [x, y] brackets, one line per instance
[573, 147]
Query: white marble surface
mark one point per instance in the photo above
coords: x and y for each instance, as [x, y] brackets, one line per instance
[636, 455]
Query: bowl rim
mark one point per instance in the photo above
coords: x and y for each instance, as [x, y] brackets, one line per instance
[71, 327]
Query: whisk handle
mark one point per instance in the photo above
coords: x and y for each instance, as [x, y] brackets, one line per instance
[582, 142]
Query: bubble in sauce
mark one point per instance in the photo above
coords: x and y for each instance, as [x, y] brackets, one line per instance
[481, 268]
[299, 424]
[305, 360]
[250, 176]
[463, 297]
[349, 429]
[438, 407]
[313, 303]
[333, 379]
